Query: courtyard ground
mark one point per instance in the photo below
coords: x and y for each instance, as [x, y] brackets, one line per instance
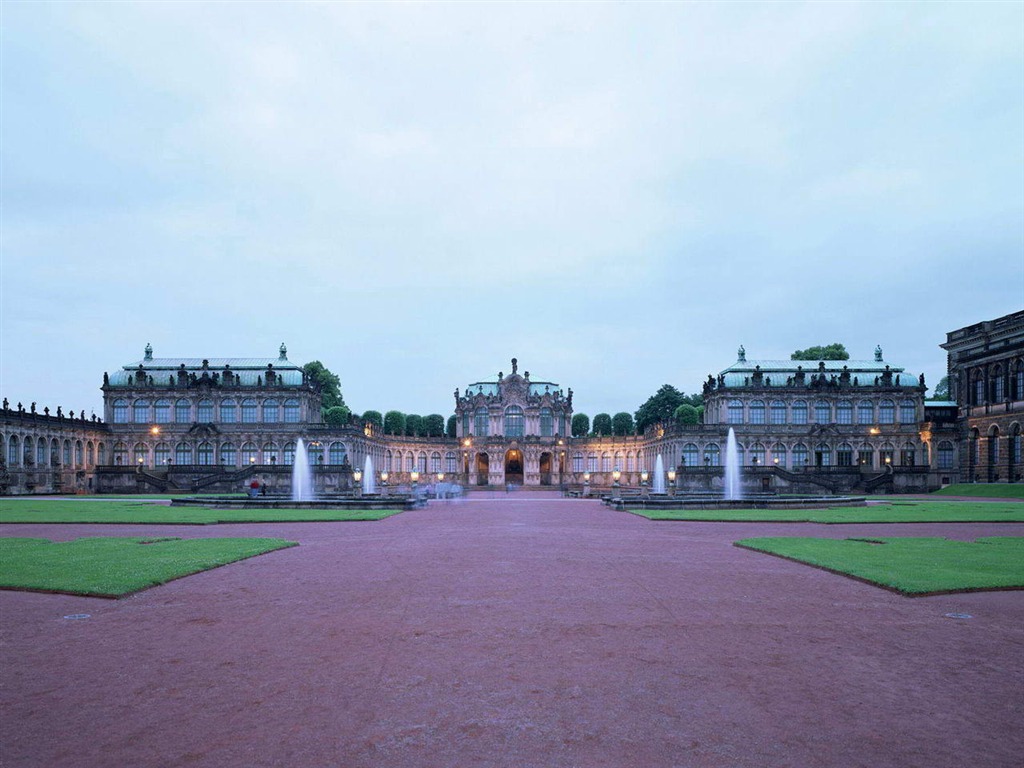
[518, 630]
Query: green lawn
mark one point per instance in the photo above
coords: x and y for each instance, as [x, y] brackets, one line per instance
[910, 566]
[114, 567]
[893, 512]
[84, 511]
[987, 490]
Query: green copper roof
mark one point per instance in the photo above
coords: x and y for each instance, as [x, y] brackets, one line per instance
[249, 371]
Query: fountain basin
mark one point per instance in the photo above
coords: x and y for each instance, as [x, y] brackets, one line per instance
[750, 501]
[394, 501]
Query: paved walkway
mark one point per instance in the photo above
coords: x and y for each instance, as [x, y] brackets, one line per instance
[517, 632]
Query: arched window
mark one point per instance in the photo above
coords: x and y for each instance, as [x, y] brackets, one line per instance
[67, 453]
[204, 454]
[228, 411]
[844, 412]
[908, 413]
[577, 462]
[182, 411]
[204, 411]
[162, 412]
[271, 454]
[27, 452]
[606, 462]
[410, 462]
[291, 411]
[844, 455]
[546, 422]
[617, 461]
[78, 453]
[865, 412]
[979, 389]
[886, 412]
[249, 411]
[337, 453]
[799, 456]
[822, 455]
[886, 454]
[690, 455]
[866, 456]
[388, 466]
[89, 452]
[41, 452]
[120, 453]
[998, 385]
[907, 457]
[450, 463]
[289, 454]
[757, 411]
[315, 453]
[182, 454]
[779, 455]
[757, 455]
[513, 421]
[101, 455]
[1018, 382]
[778, 412]
[228, 455]
[822, 412]
[630, 462]
[799, 412]
[481, 423]
[120, 412]
[271, 411]
[421, 465]
[161, 454]
[435, 462]
[140, 411]
[1014, 445]
[946, 455]
[592, 462]
[55, 452]
[14, 452]
[735, 412]
[712, 455]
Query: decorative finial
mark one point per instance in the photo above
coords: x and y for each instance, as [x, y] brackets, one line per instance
[149, 352]
[284, 352]
[515, 366]
[742, 353]
[878, 353]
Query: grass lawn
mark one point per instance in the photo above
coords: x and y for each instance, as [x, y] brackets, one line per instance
[114, 567]
[83, 511]
[894, 512]
[910, 566]
[986, 490]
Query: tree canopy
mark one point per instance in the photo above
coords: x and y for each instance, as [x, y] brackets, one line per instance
[394, 423]
[602, 425]
[941, 389]
[451, 427]
[413, 425]
[337, 416]
[686, 414]
[622, 424]
[329, 384]
[374, 417]
[661, 406]
[580, 425]
[829, 352]
[433, 425]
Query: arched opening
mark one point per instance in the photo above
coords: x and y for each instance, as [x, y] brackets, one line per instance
[545, 468]
[514, 466]
[483, 468]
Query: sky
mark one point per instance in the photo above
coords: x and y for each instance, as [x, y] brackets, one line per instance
[617, 194]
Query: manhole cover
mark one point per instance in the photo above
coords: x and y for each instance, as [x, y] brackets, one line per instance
[958, 616]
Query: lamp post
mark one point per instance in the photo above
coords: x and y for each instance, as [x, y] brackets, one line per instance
[671, 482]
[586, 484]
[357, 478]
[643, 481]
[415, 477]
[616, 474]
[384, 483]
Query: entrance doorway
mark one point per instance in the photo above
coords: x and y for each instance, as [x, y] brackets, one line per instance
[483, 468]
[514, 466]
[545, 469]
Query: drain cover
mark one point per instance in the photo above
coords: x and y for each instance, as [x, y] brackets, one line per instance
[958, 616]
[75, 616]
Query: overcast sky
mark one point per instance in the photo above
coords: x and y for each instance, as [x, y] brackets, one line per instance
[617, 194]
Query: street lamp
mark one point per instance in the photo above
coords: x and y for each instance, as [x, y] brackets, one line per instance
[384, 482]
[357, 477]
[616, 474]
[586, 483]
[671, 482]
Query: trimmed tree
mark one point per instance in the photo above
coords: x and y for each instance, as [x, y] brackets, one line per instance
[394, 423]
[337, 416]
[433, 425]
[602, 425]
[413, 425]
[374, 417]
[580, 425]
[622, 424]
[828, 352]
[686, 414]
[451, 426]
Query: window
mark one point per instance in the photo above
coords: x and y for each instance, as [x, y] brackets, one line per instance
[822, 455]
[844, 412]
[337, 453]
[946, 455]
[228, 412]
[844, 455]
[67, 453]
[546, 422]
[55, 452]
[757, 411]
[907, 458]
[735, 412]
[140, 455]
[101, 454]
[630, 462]
[14, 452]
[41, 453]
[229, 455]
[712, 455]
[140, 411]
[466, 424]
[866, 456]
[204, 454]
[979, 391]
[865, 412]
[291, 411]
[421, 465]
[435, 462]
[799, 412]
[908, 413]
[885, 454]
[451, 465]
[778, 412]
[182, 412]
[182, 454]
[606, 462]
[161, 455]
[120, 412]
[1018, 388]
[271, 453]
[577, 462]
[799, 456]
[271, 411]
[757, 455]
[480, 423]
[315, 454]
[204, 411]
[162, 412]
[120, 453]
[249, 411]
[289, 454]
[886, 412]
[514, 421]
[410, 462]
[690, 455]
[822, 412]
[592, 463]
[779, 455]
[998, 385]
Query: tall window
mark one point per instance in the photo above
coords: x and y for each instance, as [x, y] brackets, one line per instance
[120, 411]
[778, 412]
[577, 462]
[228, 412]
[120, 454]
[592, 463]
[779, 455]
[182, 411]
[337, 453]
[690, 455]
[315, 453]
[14, 452]
[844, 455]
[799, 456]
[249, 411]
[886, 412]
[140, 411]
[271, 453]
[291, 411]
[822, 455]
[480, 423]
[979, 391]
[822, 412]
[630, 462]
[101, 455]
[410, 462]
[866, 456]
[799, 412]
[78, 453]
[757, 411]
[735, 412]
[271, 411]
[161, 454]
[162, 411]
[844, 412]
[450, 463]
[421, 464]
[712, 455]
[435, 462]
[757, 455]
[229, 455]
[946, 455]
[606, 462]
[289, 453]
[886, 454]
[908, 413]
[41, 453]
[998, 385]
[865, 412]
[204, 411]
[182, 454]
[907, 458]
[513, 421]
[1018, 383]
[466, 424]
[67, 453]
[546, 422]
[204, 454]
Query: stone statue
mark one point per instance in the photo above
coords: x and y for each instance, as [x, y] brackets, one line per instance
[33, 407]
[515, 367]
[878, 353]
[149, 352]
[741, 354]
[283, 352]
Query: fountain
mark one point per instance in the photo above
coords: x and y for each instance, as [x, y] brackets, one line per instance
[302, 474]
[369, 482]
[733, 490]
[658, 482]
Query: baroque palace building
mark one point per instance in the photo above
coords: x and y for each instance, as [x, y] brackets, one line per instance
[190, 424]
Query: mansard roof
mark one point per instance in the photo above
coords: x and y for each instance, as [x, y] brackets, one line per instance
[246, 371]
[779, 373]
